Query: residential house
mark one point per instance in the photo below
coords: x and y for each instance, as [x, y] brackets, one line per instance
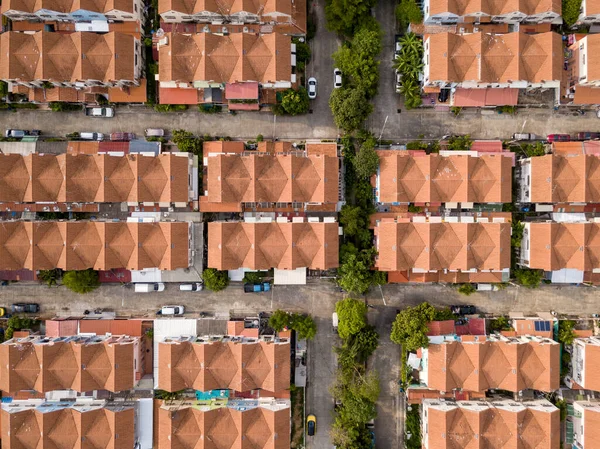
[583, 424]
[568, 252]
[77, 60]
[265, 245]
[589, 12]
[496, 362]
[204, 61]
[77, 363]
[75, 11]
[79, 245]
[165, 179]
[225, 423]
[475, 11]
[236, 182]
[218, 12]
[31, 424]
[505, 423]
[236, 363]
[483, 60]
[554, 178]
[415, 177]
[584, 67]
[585, 361]
[436, 251]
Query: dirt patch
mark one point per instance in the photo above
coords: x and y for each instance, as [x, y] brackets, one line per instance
[297, 434]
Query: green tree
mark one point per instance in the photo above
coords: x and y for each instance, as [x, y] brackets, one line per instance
[83, 281]
[215, 280]
[353, 219]
[350, 108]
[411, 91]
[303, 52]
[352, 316]
[443, 314]
[187, 142]
[570, 11]
[467, 289]
[295, 102]
[566, 332]
[364, 343]
[407, 12]
[460, 143]
[346, 16]
[410, 327]
[50, 277]
[517, 234]
[529, 278]
[354, 275]
[304, 326]
[280, 320]
[500, 324]
[367, 159]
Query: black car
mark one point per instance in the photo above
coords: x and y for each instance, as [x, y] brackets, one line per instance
[463, 310]
[25, 307]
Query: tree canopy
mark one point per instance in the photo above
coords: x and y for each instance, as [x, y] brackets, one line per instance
[352, 317]
[187, 142]
[407, 12]
[367, 159]
[304, 325]
[410, 327]
[215, 280]
[83, 281]
[346, 16]
[350, 107]
[295, 102]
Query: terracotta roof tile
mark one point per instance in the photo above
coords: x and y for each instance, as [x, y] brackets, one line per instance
[489, 58]
[267, 178]
[506, 365]
[98, 245]
[434, 178]
[224, 365]
[443, 246]
[262, 246]
[236, 57]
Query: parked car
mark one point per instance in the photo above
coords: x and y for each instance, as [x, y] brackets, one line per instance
[195, 287]
[154, 132]
[100, 112]
[312, 88]
[337, 78]
[398, 48]
[463, 310]
[398, 81]
[171, 310]
[19, 133]
[588, 136]
[2, 311]
[311, 425]
[524, 136]
[92, 136]
[262, 287]
[558, 138]
[147, 288]
[25, 307]
[122, 137]
[443, 95]
[335, 321]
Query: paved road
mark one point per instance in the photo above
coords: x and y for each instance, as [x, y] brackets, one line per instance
[407, 125]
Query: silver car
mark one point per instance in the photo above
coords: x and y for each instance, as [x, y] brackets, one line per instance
[312, 88]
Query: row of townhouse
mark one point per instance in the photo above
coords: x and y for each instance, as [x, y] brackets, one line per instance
[78, 384]
[474, 387]
[511, 12]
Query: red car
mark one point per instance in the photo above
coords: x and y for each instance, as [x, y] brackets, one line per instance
[122, 137]
[558, 138]
[588, 136]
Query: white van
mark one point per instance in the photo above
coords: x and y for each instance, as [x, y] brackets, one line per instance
[335, 321]
[91, 136]
[154, 132]
[196, 287]
[171, 310]
[147, 288]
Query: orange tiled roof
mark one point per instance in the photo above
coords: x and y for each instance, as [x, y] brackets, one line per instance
[441, 246]
[554, 246]
[223, 427]
[69, 427]
[222, 146]
[231, 58]
[93, 178]
[565, 179]
[588, 351]
[44, 245]
[506, 365]
[60, 57]
[262, 246]
[491, 8]
[276, 179]
[68, 6]
[434, 178]
[273, 147]
[75, 365]
[227, 7]
[483, 425]
[224, 365]
[495, 58]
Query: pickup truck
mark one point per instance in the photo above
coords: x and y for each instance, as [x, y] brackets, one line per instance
[100, 112]
[251, 288]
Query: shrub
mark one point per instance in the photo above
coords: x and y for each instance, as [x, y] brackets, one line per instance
[50, 277]
[59, 106]
[210, 108]
[215, 280]
[467, 289]
[570, 11]
[295, 102]
[83, 281]
[259, 138]
[529, 278]
[170, 107]
[407, 12]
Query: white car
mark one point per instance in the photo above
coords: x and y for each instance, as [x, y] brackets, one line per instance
[171, 310]
[196, 287]
[337, 78]
[312, 88]
[148, 288]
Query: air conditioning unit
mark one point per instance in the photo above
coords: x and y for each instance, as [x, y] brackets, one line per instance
[206, 29]
[245, 29]
[224, 30]
[475, 30]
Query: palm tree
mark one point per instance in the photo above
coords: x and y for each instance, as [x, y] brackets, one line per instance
[408, 66]
[411, 44]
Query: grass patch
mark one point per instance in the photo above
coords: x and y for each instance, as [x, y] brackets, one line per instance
[413, 426]
[297, 433]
